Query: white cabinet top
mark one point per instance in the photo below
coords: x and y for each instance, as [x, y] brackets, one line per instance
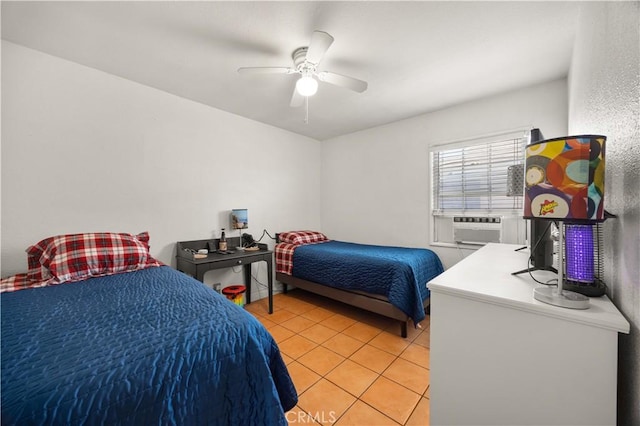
[486, 276]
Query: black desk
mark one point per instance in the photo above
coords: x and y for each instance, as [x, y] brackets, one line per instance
[198, 267]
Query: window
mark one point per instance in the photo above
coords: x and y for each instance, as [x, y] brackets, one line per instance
[471, 176]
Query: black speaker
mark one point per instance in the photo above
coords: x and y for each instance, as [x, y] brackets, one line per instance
[535, 135]
[541, 245]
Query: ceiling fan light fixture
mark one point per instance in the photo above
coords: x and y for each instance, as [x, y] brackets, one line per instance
[306, 62]
[307, 85]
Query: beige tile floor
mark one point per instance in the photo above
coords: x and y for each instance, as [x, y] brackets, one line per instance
[350, 367]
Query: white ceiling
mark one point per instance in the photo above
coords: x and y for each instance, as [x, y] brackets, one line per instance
[417, 56]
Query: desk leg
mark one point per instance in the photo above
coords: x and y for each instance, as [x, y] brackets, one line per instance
[270, 281]
[247, 282]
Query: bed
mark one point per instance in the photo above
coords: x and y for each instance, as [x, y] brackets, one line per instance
[389, 281]
[144, 345]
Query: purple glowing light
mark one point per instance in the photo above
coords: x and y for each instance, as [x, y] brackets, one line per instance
[579, 253]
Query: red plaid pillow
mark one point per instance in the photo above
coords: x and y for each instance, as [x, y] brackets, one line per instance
[37, 272]
[302, 237]
[75, 257]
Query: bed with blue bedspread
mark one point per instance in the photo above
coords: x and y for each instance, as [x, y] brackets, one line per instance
[387, 280]
[152, 346]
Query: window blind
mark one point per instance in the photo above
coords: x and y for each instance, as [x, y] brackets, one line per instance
[472, 177]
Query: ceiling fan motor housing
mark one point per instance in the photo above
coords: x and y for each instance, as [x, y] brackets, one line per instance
[299, 56]
[300, 62]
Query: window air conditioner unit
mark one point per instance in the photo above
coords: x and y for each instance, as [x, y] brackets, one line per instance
[477, 230]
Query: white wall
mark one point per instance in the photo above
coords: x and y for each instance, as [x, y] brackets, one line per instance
[375, 183]
[604, 98]
[86, 151]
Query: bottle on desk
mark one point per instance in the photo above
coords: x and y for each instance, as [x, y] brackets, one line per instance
[223, 241]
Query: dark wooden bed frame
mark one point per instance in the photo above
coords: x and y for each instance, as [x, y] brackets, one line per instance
[370, 302]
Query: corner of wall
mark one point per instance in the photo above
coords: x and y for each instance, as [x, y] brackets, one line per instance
[604, 98]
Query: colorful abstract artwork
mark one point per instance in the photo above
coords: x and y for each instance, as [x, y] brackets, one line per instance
[564, 178]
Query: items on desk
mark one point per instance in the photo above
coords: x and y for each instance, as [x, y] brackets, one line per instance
[197, 254]
[225, 251]
[222, 245]
[248, 241]
[203, 253]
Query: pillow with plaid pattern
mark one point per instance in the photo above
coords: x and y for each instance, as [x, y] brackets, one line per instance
[36, 272]
[74, 257]
[302, 237]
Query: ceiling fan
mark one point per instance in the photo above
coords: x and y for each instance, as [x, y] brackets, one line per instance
[306, 61]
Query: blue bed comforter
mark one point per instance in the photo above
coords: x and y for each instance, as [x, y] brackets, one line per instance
[148, 347]
[399, 273]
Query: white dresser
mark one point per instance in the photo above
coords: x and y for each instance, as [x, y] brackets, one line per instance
[500, 357]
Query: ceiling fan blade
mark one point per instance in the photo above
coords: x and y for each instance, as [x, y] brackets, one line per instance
[343, 81]
[296, 99]
[319, 44]
[266, 70]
